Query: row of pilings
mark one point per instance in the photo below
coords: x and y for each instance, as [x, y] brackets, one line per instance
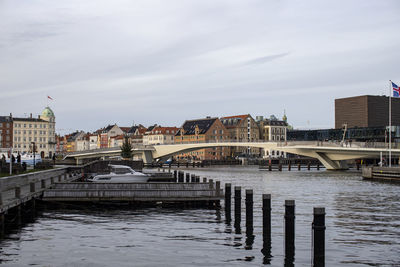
[317, 226]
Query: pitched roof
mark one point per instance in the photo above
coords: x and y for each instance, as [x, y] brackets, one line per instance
[233, 121]
[189, 126]
[29, 119]
[5, 119]
[125, 129]
[164, 130]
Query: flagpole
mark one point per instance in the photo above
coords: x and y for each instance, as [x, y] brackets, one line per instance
[390, 123]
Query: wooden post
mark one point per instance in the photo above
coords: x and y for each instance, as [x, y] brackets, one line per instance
[178, 164]
[43, 183]
[280, 167]
[197, 179]
[289, 166]
[308, 165]
[228, 202]
[266, 209]
[175, 174]
[19, 214]
[194, 164]
[318, 166]
[211, 184]
[217, 188]
[299, 166]
[318, 227]
[238, 202]
[289, 232]
[187, 177]
[249, 210]
[270, 166]
[2, 225]
[187, 164]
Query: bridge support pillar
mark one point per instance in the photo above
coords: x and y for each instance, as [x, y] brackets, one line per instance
[147, 157]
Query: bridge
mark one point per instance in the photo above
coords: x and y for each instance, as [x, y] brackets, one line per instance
[332, 155]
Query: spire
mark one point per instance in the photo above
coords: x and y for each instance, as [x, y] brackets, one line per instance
[284, 118]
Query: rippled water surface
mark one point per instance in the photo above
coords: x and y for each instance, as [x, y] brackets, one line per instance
[363, 227]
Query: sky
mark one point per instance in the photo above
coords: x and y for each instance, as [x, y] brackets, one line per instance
[164, 62]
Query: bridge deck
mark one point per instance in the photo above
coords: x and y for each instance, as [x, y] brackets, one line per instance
[136, 192]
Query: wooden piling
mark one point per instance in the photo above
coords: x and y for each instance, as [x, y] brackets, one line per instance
[318, 227]
[280, 167]
[249, 211]
[2, 225]
[197, 179]
[211, 183]
[317, 166]
[180, 177]
[289, 232]
[228, 202]
[308, 165]
[238, 207]
[266, 210]
[270, 167]
[299, 166]
[217, 188]
[289, 166]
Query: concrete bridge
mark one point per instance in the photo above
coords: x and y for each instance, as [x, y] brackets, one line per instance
[332, 155]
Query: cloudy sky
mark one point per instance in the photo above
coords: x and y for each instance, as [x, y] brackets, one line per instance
[125, 61]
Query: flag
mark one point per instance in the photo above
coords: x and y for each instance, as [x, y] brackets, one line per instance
[49, 97]
[396, 90]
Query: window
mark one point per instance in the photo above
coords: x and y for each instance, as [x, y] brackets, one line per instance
[30, 125]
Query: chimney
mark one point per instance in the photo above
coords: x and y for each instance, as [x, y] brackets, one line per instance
[31, 115]
[39, 117]
[10, 115]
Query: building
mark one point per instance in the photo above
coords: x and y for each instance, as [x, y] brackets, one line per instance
[160, 135]
[366, 111]
[200, 131]
[6, 131]
[242, 128]
[93, 141]
[137, 136]
[273, 130]
[35, 131]
[117, 141]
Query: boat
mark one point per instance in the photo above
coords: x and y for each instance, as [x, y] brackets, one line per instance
[120, 174]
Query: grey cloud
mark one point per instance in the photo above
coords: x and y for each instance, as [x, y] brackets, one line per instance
[262, 60]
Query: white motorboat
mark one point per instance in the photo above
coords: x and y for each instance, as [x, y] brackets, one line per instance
[120, 174]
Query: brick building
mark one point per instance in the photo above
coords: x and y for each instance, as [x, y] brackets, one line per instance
[242, 128]
[200, 131]
[6, 131]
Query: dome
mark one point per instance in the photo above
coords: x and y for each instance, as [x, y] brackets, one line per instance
[47, 112]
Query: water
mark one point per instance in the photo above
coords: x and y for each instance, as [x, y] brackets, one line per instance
[363, 227]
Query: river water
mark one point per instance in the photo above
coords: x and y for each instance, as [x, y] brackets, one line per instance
[362, 227]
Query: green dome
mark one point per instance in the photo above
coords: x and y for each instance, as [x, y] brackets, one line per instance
[47, 112]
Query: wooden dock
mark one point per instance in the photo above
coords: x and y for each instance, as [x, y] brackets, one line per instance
[134, 192]
[391, 174]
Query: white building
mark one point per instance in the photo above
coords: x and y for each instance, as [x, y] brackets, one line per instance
[160, 135]
[35, 131]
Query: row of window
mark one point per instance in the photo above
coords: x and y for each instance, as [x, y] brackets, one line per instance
[30, 139]
[30, 132]
[20, 125]
[6, 124]
[27, 146]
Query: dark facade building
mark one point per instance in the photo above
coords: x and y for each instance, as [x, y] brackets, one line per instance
[6, 131]
[366, 111]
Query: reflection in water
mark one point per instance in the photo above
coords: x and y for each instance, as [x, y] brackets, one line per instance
[363, 227]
